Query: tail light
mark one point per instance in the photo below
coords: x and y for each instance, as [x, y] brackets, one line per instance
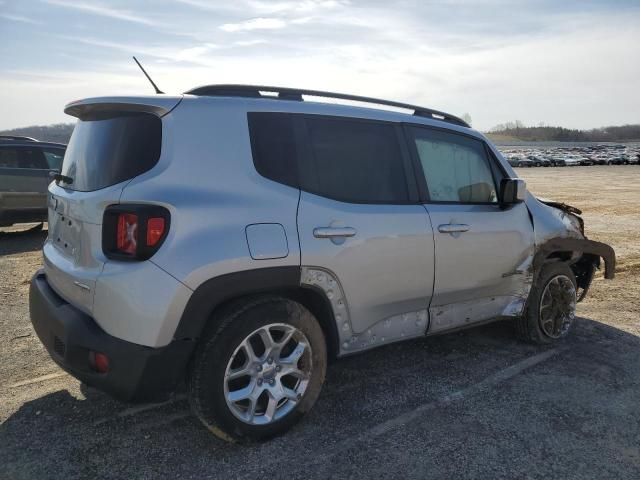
[134, 232]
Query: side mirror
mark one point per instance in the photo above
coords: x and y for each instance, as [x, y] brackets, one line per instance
[512, 191]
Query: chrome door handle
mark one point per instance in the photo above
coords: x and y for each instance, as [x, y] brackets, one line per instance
[332, 232]
[453, 228]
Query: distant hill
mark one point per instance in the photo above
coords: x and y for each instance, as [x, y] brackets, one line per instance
[59, 132]
[517, 131]
[511, 132]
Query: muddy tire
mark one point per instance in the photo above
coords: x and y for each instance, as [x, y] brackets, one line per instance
[258, 369]
[550, 310]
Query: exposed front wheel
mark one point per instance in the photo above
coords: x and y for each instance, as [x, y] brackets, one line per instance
[259, 371]
[551, 305]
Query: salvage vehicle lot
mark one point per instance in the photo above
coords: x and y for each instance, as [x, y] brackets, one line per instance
[472, 404]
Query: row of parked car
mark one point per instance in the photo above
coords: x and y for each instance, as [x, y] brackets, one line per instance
[572, 156]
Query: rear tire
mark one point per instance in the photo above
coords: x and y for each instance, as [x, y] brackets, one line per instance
[271, 347]
[550, 310]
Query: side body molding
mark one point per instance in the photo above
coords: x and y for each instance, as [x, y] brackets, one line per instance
[393, 329]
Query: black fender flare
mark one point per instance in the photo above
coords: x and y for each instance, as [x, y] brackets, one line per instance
[215, 291]
[582, 245]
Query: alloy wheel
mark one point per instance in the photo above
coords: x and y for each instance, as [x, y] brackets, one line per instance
[268, 374]
[557, 306]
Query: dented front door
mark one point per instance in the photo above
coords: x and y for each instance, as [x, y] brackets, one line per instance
[482, 269]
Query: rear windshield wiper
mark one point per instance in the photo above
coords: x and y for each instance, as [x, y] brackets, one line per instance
[58, 177]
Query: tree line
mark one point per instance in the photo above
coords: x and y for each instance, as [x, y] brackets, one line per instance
[517, 129]
[61, 132]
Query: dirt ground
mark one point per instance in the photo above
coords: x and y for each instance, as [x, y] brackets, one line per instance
[473, 404]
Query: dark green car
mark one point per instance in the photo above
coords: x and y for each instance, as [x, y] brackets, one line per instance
[27, 166]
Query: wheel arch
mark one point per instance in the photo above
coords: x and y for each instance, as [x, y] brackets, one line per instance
[582, 255]
[217, 293]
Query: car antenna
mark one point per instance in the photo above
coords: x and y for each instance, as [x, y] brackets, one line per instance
[148, 77]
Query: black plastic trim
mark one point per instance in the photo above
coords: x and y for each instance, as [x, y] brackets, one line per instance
[214, 292]
[582, 245]
[284, 93]
[136, 372]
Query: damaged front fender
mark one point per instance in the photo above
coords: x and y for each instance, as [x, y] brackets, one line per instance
[559, 235]
[592, 249]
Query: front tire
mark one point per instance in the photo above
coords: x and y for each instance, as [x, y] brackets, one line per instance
[550, 310]
[258, 369]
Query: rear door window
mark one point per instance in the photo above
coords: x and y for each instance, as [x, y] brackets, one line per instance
[354, 161]
[31, 157]
[110, 148]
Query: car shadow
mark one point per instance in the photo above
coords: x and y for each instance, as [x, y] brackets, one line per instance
[22, 241]
[509, 426]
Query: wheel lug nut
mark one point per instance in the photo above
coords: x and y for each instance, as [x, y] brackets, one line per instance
[259, 381]
[272, 382]
[278, 368]
[269, 360]
[259, 368]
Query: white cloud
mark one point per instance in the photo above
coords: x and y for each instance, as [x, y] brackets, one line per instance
[254, 24]
[560, 65]
[19, 18]
[103, 10]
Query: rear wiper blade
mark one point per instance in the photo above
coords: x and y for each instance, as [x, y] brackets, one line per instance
[58, 177]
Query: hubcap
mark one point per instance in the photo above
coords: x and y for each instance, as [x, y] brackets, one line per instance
[268, 374]
[557, 306]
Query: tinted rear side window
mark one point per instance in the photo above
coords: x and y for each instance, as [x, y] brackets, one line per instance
[8, 157]
[109, 149]
[273, 144]
[31, 158]
[354, 161]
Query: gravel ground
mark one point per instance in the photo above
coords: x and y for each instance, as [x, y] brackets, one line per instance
[474, 404]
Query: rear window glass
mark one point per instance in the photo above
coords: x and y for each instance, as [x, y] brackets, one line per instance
[109, 149]
[355, 161]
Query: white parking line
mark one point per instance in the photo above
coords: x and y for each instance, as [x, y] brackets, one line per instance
[43, 378]
[415, 414]
[128, 412]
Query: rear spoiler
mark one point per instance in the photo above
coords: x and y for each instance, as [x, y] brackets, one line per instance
[157, 105]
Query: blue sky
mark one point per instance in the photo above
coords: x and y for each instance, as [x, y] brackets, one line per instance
[570, 63]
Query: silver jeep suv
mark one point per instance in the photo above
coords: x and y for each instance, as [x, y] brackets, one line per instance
[238, 237]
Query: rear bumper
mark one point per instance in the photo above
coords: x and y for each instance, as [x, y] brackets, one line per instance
[135, 373]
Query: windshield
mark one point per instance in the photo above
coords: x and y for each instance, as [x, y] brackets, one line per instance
[109, 149]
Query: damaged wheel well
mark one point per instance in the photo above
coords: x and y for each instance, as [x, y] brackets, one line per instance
[582, 255]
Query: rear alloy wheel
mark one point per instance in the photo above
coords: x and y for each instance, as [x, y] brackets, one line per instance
[268, 374]
[551, 307]
[258, 369]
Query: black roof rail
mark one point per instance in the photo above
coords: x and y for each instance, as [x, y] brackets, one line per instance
[284, 93]
[17, 137]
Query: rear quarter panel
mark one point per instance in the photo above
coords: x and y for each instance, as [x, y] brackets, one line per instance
[207, 180]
